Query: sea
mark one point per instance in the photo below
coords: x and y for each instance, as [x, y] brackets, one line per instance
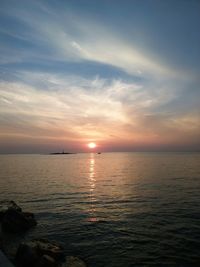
[110, 209]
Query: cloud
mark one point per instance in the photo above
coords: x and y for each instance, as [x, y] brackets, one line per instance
[75, 109]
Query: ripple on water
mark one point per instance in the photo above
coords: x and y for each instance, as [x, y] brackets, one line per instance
[119, 209]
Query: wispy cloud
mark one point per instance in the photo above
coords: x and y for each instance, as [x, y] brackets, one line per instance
[70, 37]
[75, 109]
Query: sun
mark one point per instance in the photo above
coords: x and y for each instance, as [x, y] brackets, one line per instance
[92, 145]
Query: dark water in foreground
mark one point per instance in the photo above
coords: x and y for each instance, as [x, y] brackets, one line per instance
[113, 209]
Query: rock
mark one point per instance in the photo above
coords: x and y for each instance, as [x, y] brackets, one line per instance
[47, 261]
[13, 219]
[8, 205]
[16, 221]
[1, 243]
[52, 249]
[74, 262]
[26, 256]
[39, 253]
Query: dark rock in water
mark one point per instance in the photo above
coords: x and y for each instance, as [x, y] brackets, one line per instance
[74, 262]
[8, 205]
[15, 221]
[39, 253]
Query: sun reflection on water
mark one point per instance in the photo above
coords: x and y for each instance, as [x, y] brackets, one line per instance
[92, 185]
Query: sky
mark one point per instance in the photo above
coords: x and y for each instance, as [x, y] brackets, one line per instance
[124, 74]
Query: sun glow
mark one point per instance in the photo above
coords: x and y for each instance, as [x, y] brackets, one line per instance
[92, 145]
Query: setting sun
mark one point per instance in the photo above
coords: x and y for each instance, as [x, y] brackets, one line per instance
[92, 145]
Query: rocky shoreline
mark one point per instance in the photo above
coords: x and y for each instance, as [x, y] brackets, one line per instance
[33, 253]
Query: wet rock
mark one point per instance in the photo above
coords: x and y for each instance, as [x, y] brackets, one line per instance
[8, 205]
[15, 221]
[39, 253]
[74, 262]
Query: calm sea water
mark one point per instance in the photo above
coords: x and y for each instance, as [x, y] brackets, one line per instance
[112, 209]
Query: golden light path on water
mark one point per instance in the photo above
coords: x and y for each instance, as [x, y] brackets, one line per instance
[92, 184]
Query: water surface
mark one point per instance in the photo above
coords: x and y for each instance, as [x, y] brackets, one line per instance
[112, 209]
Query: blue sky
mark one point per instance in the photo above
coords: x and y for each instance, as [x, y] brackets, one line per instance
[124, 74]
